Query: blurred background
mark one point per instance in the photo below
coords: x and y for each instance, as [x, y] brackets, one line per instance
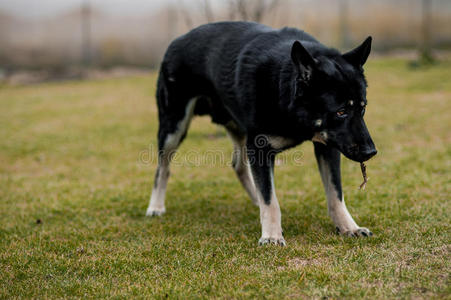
[54, 39]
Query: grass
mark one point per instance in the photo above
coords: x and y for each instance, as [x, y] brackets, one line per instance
[75, 178]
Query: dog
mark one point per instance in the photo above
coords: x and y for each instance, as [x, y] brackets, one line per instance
[271, 90]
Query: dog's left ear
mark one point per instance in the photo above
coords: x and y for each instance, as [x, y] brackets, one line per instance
[303, 61]
[359, 55]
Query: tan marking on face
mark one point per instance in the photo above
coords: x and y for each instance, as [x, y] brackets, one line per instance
[320, 137]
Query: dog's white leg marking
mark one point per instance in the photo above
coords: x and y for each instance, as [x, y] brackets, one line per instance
[271, 219]
[156, 204]
[340, 215]
[240, 164]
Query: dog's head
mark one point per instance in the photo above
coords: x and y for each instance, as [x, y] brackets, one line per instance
[330, 92]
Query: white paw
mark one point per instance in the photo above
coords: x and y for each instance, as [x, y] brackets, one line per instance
[272, 241]
[359, 232]
[155, 212]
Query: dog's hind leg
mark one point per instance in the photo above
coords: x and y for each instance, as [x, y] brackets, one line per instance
[240, 162]
[329, 166]
[173, 127]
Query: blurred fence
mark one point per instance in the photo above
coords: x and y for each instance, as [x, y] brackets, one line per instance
[87, 35]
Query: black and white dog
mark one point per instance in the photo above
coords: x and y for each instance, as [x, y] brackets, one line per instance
[280, 85]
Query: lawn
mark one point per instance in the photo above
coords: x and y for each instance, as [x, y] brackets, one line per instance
[77, 161]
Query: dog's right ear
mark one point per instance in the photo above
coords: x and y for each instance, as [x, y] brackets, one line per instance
[359, 55]
[303, 61]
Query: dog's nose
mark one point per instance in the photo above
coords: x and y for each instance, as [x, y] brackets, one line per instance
[368, 153]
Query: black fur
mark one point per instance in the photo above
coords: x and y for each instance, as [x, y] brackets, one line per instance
[332, 158]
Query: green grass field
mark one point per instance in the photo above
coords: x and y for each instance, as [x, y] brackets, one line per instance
[76, 171]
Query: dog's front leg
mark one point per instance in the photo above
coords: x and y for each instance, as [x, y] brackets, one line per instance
[262, 166]
[329, 166]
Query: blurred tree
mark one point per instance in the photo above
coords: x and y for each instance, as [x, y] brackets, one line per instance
[86, 32]
[172, 22]
[208, 11]
[252, 10]
[232, 10]
[246, 10]
[344, 28]
[425, 48]
[186, 16]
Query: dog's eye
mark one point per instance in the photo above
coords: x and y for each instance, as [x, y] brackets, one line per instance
[342, 113]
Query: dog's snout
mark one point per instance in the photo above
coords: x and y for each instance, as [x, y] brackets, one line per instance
[368, 153]
[360, 153]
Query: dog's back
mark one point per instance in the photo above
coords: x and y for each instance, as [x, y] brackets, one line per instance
[213, 60]
[206, 49]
